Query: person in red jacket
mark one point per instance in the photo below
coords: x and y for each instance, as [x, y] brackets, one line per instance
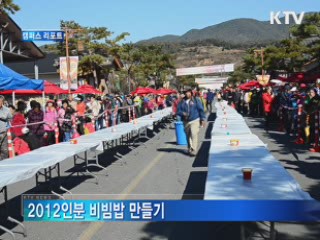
[19, 120]
[268, 98]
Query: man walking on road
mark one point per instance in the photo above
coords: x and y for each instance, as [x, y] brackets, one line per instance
[210, 97]
[192, 113]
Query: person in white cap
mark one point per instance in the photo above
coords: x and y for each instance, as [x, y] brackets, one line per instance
[294, 89]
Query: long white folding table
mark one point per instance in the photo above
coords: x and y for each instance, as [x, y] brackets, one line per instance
[239, 129]
[270, 181]
[244, 140]
[26, 166]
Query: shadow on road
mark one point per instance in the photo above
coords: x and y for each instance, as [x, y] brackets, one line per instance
[201, 159]
[297, 158]
[177, 150]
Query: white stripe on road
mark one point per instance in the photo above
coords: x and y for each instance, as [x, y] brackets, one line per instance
[93, 228]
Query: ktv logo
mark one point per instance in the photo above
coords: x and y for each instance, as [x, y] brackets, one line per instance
[290, 17]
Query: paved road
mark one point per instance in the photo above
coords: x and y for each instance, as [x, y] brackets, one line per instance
[162, 170]
[303, 165]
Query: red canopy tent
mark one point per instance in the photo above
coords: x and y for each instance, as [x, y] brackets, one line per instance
[164, 91]
[21, 92]
[141, 90]
[249, 85]
[49, 88]
[87, 89]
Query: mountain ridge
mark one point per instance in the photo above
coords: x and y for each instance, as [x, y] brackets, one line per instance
[236, 31]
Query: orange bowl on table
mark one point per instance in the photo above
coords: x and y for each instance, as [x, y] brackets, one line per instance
[234, 142]
[247, 173]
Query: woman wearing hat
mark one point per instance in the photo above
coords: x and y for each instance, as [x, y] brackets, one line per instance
[50, 118]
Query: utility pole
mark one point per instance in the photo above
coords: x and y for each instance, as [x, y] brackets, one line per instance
[261, 53]
[67, 32]
[68, 60]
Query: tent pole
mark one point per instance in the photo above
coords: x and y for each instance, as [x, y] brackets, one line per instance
[43, 102]
[13, 98]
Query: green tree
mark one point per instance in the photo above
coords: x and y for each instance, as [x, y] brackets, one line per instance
[288, 55]
[309, 28]
[239, 76]
[93, 45]
[308, 33]
[155, 62]
[8, 6]
[251, 64]
[187, 81]
[131, 58]
[61, 47]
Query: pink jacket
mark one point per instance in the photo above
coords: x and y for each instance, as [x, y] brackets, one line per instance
[61, 113]
[50, 118]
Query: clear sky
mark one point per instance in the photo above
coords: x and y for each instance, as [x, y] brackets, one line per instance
[144, 19]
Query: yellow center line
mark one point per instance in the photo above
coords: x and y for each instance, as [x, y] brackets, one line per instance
[94, 227]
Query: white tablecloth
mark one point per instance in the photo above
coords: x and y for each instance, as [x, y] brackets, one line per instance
[245, 140]
[13, 174]
[270, 181]
[27, 165]
[229, 130]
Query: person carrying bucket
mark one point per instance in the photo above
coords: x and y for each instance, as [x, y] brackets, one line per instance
[192, 113]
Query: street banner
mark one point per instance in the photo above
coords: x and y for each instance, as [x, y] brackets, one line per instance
[205, 70]
[212, 86]
[73, 72]
[212, 83]
[211, 80]
[30, 36]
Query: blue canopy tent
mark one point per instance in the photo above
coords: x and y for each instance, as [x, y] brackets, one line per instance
[10, 80]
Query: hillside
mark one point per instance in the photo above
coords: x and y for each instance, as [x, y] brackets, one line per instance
[207, 55]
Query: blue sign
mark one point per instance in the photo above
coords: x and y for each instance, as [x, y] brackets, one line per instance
[31, 36]
[169, 210]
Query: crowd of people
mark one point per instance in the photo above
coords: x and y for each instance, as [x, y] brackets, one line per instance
[293, 107]
[33, 126]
